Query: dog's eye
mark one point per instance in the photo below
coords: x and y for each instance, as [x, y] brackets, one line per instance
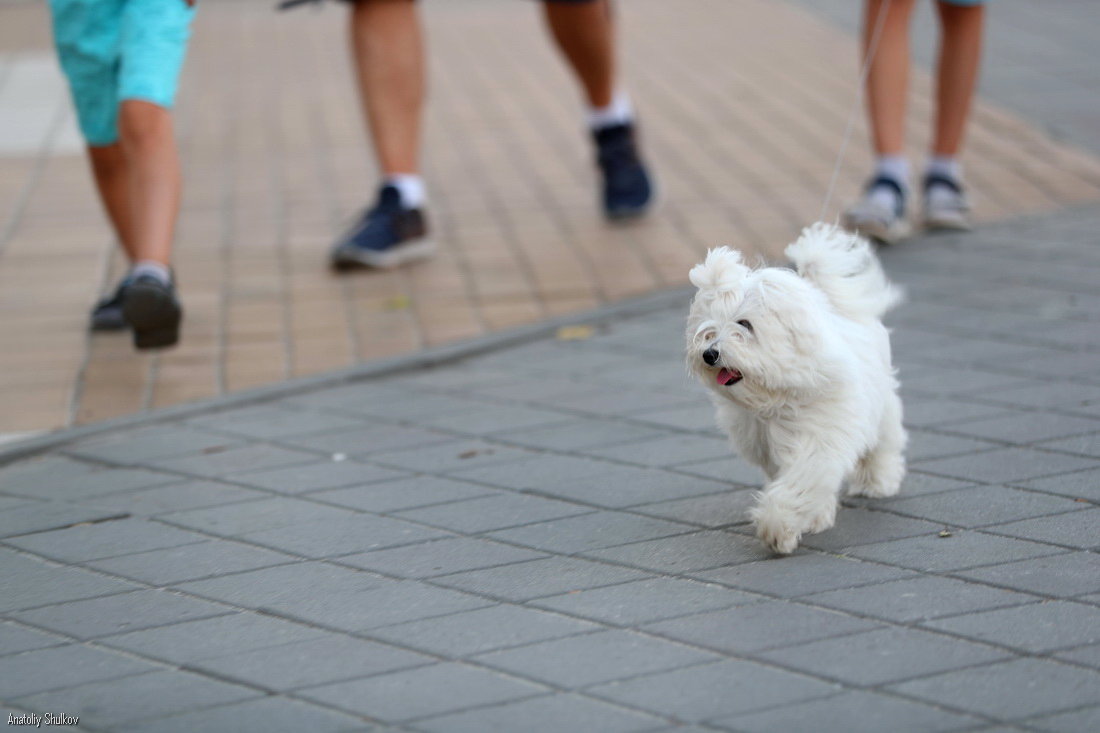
[746, 325]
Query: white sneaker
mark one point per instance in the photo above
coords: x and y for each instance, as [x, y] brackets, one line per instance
[880, 214]
[945, 204]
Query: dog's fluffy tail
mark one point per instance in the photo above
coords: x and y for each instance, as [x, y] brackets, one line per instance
[845, 268]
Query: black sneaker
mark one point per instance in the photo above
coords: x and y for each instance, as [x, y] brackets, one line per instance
[152, 309]
[386, 236]
[107, 313]
[627, 190]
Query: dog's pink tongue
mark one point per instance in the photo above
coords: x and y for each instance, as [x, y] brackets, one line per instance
[725, 376]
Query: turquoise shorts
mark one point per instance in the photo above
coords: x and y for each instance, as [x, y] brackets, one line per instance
[112, 50]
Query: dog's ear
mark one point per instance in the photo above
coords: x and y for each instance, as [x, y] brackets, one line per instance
[721, 272]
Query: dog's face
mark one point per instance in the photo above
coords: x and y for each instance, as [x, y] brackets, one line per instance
[754, 336]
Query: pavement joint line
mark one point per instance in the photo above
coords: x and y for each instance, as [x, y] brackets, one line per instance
[427, 358]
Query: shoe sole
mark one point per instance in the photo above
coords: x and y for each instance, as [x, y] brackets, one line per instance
[947, 224]
[153, 315]
[879, 232]
[346, 259]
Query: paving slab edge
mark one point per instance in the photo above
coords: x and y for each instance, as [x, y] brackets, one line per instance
[417, 360]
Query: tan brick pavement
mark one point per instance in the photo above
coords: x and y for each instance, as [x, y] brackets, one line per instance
[743, 103]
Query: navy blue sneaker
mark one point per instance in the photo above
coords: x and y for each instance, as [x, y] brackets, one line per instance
[152, 309]
[627, 190]
[107, 313]
[386, 236]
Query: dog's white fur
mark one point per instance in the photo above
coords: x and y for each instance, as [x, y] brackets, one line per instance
[817, 402]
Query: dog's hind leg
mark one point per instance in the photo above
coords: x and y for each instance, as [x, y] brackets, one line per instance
[880, 471]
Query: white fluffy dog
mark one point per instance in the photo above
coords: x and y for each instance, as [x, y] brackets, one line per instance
[798, 367]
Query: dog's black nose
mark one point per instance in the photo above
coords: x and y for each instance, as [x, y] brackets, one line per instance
[710, 356]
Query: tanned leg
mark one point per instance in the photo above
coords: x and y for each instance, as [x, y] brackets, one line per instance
[153, 177]
[585, 34]
[388, 52]
[112, 182]
[888, 77]
[960, 54]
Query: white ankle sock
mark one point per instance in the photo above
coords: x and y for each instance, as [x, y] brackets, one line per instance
[944, 165]
[895, 167]
[411, 188]
[153, 269]
[619, 112]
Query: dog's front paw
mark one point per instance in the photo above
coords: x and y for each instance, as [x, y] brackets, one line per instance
[776, 526]
[823, 520]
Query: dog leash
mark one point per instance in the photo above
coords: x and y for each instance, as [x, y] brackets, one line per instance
[872, 47]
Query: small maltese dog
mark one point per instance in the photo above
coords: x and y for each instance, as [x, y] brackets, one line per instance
[798, 366]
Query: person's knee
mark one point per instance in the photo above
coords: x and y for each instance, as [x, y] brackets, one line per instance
[143, 125]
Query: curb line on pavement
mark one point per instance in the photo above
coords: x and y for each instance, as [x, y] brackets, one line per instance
[423, 359]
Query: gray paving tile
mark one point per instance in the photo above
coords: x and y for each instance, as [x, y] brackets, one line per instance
[42, 516]
[104, 539]
[175, 497]
[482, 630]
[316, 476]
[234, 460]
[343, 536]
[1084, 445]
[754, 627]
[917, 483]
[212, 637]
[860, 526]
[322, 660]
[1025, 428]
[732, 470]
[548, 714]
[668, 450]
[61, 667]
[29, 582]
[1087, 655]
[256, 516]
[924, 445]
[622, 486]
[15, 639]
[268, 587]
[583, 661]
[1009, 690]
[423, 692]
[1037, 627]
[579, 434]
[855, 711]
[266, 715]
[150, 443]
[883, 656]
[120, 613]
[274, 423]
[687, 553]
[963, 549]
[1071, 574]
[545, 471]
[497, 511]
[629, 604]
[454, 455]
[1076, 529]
[589, 532]
[489, 419]
[369, 440]
[108, 704]
[1071, 722]
[190, 562]
[404, 493]
[440, 557]
[930, 412]
[535, 578]
[1045, 396]
[715, 690]
[1078, 485]
[978, 506]
[26, 477]
[95, 481]
[711, 510]
[915, 599]
[1008, 465]
[801, 575]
